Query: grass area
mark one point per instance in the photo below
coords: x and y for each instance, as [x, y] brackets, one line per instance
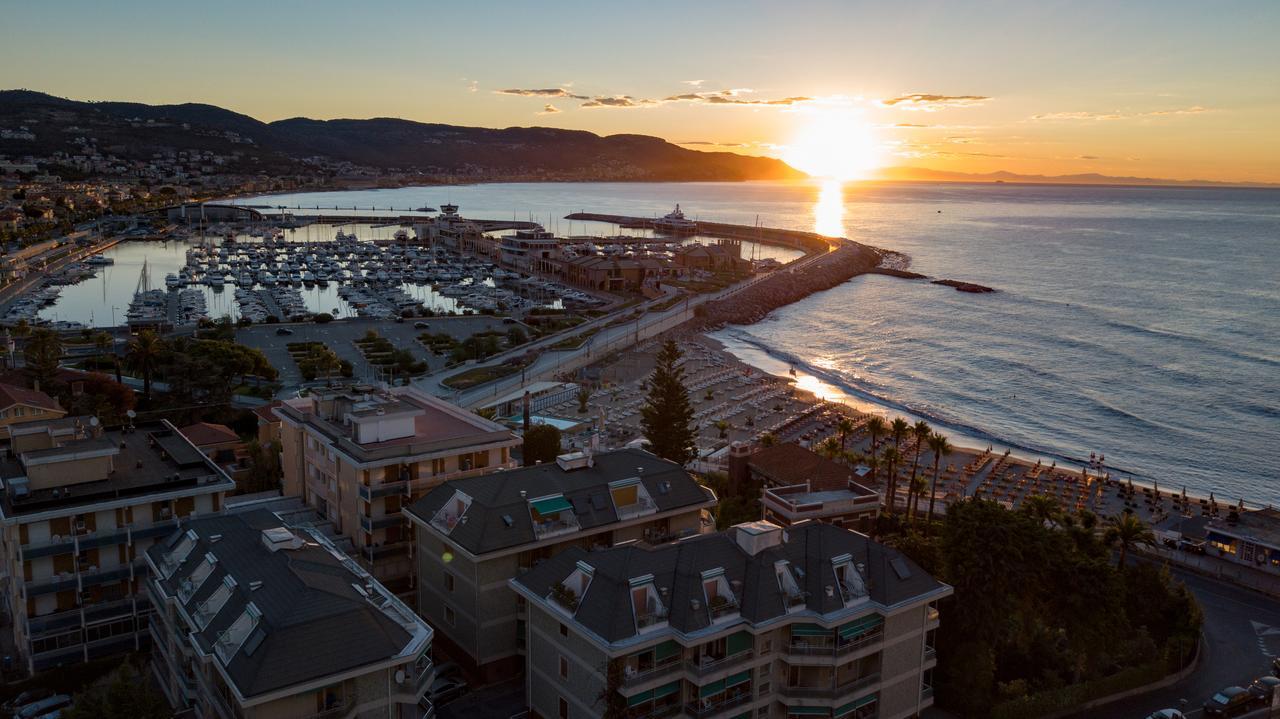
[479, 375]
[573, 343]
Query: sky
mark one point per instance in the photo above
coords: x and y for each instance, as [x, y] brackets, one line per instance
[1167, 89]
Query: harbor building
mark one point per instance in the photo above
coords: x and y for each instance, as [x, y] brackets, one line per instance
[79, 506]
[757, 621]
[474, 535]
[533, 250]
[358, 454]
[253, 618]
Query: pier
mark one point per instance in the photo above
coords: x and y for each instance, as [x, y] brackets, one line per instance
[799, 239]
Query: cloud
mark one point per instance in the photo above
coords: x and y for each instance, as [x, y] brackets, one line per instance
[961, 140]
[929, 102]
[732, 97]
[692, 83]
[715, 144]
[542, 92]
[911, 124]
[1117, 115]
[549, 109]
[616, 101]
[1088, 157]
[473, 86]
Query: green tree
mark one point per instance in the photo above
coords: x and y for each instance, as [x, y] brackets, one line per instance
[768, 439]
[921, 431]
[584, 396]
[143, 354]
[125, 695]
[264, 472]
[1043, 508]
[890, 457]
[667, 416]
[1126, 532]
[875, 427]
[940, 447]
[845, 428]
[41, 354]
[898, 428]
[516, 337]
[541, 444]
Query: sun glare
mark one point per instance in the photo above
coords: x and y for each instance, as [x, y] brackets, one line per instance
[836, 146]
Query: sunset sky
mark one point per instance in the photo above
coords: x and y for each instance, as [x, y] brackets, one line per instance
[1163, 89]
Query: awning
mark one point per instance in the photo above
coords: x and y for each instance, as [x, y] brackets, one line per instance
[666, 650]
[855, 705]
[808, 711]
[550, 505]
[667, 690]
[809, 630]
[712, 688]
[858, 626]
[734, 680]
[740, 642]
[640, 698]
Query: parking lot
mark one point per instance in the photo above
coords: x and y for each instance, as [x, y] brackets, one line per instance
[340, 336]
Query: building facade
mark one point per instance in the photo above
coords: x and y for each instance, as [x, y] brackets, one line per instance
[472, 536]
[80, 506]
[358, 454]
[256, 619]
[758, 621]
[853, 506]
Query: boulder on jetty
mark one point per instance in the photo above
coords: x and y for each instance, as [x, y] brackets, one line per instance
[786, 286]
[902, 274]
[964, 286]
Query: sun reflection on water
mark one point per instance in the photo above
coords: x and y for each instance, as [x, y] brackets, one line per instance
[828, 211]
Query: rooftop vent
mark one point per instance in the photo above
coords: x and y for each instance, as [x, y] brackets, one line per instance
[255, 585]
[573, 460]
[278, 538]
[754, 537]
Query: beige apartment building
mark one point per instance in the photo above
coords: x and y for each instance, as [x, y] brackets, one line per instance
[755, 622]
[474, 535]
[79, 506]
[359, 454]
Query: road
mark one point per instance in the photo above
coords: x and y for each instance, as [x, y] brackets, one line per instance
[1242, 634]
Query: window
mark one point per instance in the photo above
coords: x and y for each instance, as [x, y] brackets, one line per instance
[448, 582]
[437, 466]
[449, 616]
[564, 668]
[564, 631]
[564, 709]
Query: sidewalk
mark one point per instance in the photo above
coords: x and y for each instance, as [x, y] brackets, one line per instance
[1217, 568]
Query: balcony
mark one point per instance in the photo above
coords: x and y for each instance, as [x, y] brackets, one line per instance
[374, 553]
[387, 520]
[930, 653]
[368, 493]
[554, 527]
[644, 621]
[926, 693]
[666, 668]
[841, 692]
[720, 607]
[827, 648]
[639, 508]
[707, 709]
[709, 665]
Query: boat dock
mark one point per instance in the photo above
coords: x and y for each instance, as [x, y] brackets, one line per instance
[807, 241]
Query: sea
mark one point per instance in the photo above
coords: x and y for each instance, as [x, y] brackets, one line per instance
[1140, 324]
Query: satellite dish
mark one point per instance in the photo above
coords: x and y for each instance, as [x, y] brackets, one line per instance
[131, 414]
[93, 421]
[400, 676]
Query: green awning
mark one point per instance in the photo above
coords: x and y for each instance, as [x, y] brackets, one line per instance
[640, 698]
[734, 680]
[740, 642]
[712, 688]
[858, 626]
[550, 505]
[809, 630]
[808, 711]
[666, 650]
[855, 705]
[667, 690]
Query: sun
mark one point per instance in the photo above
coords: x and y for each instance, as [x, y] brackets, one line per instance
[836, 146]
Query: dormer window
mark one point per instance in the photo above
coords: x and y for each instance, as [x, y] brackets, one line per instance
[179, 553]
[721, 601]
[214, 603]
[448, 516]
[631, 499]
[647, 604]
[792, 596]
[191, 585]
[849, 580]
[552, 515]
[569, 593]
[234, 636]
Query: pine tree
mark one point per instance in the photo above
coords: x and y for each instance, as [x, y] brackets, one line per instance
[667, 416]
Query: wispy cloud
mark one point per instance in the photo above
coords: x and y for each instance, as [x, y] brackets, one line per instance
[617, 101]
[549, 109]
[910, 124]
[929, 102]
[1117, 115]
[1088, 157]
[715, 144]
[733, 96]
[692, 83]
[542, 92]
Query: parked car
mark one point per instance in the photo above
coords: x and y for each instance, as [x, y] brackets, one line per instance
[44, 706]
[283, 331]
[12, 706]
[448, 669]
[1263, 688]
[421, 326]
[446, 689]
[1167, 714]
[1230, 702]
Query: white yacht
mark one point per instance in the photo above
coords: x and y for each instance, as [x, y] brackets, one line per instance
[171, 281]
[675, 223]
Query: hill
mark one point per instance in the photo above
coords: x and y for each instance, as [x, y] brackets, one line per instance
[136, 131]
[924, 174]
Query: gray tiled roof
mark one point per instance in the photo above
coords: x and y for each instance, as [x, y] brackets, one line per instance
[606, 609]
[497, 495]
[314, 620]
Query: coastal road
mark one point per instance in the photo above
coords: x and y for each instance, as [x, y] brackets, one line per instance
[1241, 635]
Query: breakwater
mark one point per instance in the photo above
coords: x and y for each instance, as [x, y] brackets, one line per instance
[799, 239]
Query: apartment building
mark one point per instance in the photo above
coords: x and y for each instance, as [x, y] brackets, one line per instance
[472, 536]
[853, 505]
[757, 621]
[253, 618]
[359, 454]
[79, 506]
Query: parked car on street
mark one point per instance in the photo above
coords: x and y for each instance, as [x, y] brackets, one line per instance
[1263, 688]
[283, 331]
[12, 706]
[1230, 702]
[445, 690]
[1167, 714]
[44, 706]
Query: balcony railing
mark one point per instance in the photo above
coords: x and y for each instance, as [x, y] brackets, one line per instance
[387, 520]
[926, 693]
[705, 667]
[368, 493]
[553, 527]
[644, 621]
[828, 648]
[722, 608]
[638, 508]
[667, 667]
[374, 553]
[838, 692]
[705, 709]
[930, 653]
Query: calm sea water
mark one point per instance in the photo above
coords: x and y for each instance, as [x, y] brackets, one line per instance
[1143, 323]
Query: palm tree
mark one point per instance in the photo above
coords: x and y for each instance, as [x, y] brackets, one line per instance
[917, 488]
[898, 428]
[845, 428]
[768, 439]
[1128, 531]
[1044, 509]
[921, 431]
[873, 463]
[875, 428]
[891, 456]
[143, 354]
[940, 447]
